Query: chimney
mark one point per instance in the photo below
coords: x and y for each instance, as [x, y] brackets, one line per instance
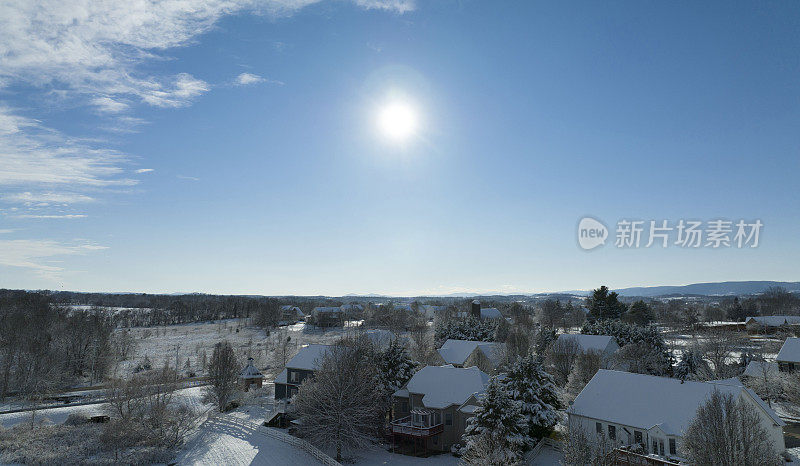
[476, 309]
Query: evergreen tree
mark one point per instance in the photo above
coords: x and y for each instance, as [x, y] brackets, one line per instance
[654, 356]
[691, 365]
[499, 423]
[395, 369]
[605, 304]
[639, 313]
[469, 328]
[534, 392]
[543, 340]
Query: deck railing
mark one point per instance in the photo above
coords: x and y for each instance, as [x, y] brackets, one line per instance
[405, 426]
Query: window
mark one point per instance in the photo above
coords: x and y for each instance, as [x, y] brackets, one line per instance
[672, 449]
[612, 432]
[448, 419]
[293, 376]
[598, 427]
[661, 447]
[404, 406]
[655, 447]
[637, 437]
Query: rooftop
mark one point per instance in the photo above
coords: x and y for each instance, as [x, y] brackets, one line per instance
[644, 401]
[443, 386]
[589, 342]
[457, 351]
[308, 357]
[790, 351]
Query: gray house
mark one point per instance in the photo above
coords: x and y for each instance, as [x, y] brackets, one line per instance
[788, 358]
[431, 411]
[301, 366]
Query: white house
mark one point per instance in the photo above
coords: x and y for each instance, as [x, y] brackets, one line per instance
[302, 365]
[486, 355]
[788, 358]
[628, 408]
[604, 344]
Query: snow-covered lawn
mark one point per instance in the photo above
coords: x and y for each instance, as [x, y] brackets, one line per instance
[189, 396]
[222, 440]
[380, 455]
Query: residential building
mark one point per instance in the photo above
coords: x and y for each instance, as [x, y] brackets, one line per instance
[770, 324]
[788, 358]
[291, 314]
[325, 316]
[606, 345]
[432, 409]
[628, 409]
[485, 355]
[301, 366]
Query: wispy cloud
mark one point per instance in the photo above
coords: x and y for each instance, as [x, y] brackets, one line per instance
[248, 78]
[37, 255]
[64, 216]
[144, 170]
[5, 231]
[185, 177]
[29, 198]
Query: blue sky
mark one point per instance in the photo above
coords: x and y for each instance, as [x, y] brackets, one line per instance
[234, 148]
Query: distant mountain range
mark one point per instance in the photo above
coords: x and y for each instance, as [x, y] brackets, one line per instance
[709, 289]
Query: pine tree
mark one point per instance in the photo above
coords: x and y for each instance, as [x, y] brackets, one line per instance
[395, 369]
[497, 433]
[534, 392]
[691, 365]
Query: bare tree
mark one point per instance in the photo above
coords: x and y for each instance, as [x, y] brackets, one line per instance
[582, 450]
[728, 432]
[717, 349]
[586, 366]
[340, 406]
[561, 357]
[223, 374]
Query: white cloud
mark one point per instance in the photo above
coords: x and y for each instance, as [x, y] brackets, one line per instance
[248, 78]
[49, 197]
[37, 255]
[144, 170]
[36, 216]
[108, 105]
[190, 178]
[397, 6]
[33, 154]
[6, 230]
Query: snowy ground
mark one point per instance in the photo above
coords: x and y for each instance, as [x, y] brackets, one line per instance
[224, 441]
[547, 456]
[380, 455]
[189, 396]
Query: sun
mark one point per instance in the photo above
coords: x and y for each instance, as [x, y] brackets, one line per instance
[397, 120]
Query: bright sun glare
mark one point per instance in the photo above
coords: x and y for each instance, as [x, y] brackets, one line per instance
[397, 120]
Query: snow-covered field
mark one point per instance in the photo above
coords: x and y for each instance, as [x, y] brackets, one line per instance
[189, 396]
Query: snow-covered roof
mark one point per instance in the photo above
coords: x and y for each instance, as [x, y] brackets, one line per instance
[646, 401]
[457, 351]
[601, 343]
[469, 409]
[430, 310]
[351, 307]
[282, 377]
[443, 386]
[774, 321]
[790, 351]
[290, 308]
[380, 337]
[250, 372]
[757, 368]
[490, 313]
[308, 357]
[326, 309]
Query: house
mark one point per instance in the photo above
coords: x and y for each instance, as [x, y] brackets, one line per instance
[432, 409]
[291, 314]
[606, 345]
[324, 316]
[478, 312]
[759, 368]
[485, 355]
[251, 376]
[430, 310]
[788, 358]
[628, 409]
[380, 338]
[770, 324]
[301, 366]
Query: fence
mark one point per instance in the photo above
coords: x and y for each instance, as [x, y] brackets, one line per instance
[318, 454]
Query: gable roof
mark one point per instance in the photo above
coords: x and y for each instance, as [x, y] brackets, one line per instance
[757, 368]
[326, 309]
[790, 351]
[774, 321]
[490, 313]
[308, 357]
[443, 386]
[601, 343]
[645, 401]
[457, 351]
